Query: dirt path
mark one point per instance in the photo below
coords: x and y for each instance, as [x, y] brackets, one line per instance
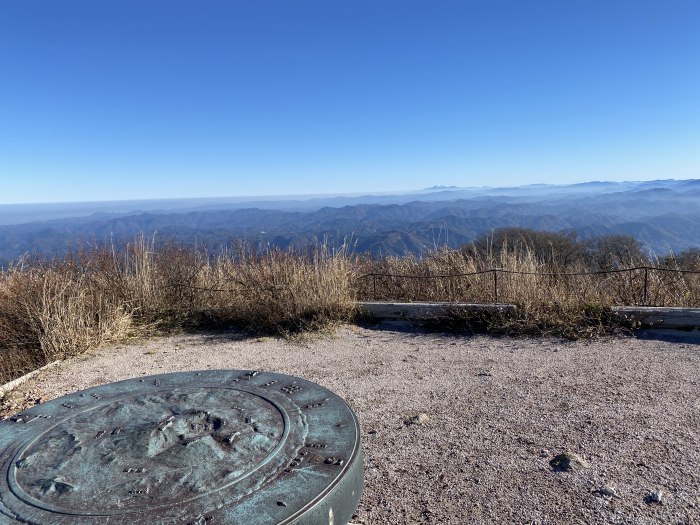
[499, 409]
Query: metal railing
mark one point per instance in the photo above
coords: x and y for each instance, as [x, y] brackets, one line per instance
[645, 297]
[626, 293]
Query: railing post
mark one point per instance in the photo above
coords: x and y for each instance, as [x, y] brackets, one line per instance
[645, 296]
[495, 286]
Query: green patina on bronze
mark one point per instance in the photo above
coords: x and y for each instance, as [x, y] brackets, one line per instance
[225, 447]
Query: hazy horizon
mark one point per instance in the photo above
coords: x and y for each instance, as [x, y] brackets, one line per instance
[312, 196]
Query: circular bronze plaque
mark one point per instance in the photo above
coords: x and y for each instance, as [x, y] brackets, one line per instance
[224, 447]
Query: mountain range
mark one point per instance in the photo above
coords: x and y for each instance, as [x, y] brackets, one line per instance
[664, 215]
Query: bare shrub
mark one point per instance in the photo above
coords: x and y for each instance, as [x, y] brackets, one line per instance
[282, 291]
[551, 297]
[50, 311]
[263, 291]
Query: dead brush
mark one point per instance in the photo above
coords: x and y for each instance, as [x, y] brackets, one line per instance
[277, 291]
[52, 309]
[49, 312]
[550, 299]
[161, 283]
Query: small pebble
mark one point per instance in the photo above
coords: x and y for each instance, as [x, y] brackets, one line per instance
[567, 461]
[654, 498]
[418, 419]
[607, 491]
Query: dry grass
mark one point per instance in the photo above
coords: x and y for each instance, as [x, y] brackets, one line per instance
[551, 299]
[52, 309]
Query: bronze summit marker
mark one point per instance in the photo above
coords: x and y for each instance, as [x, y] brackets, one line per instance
[219, 447]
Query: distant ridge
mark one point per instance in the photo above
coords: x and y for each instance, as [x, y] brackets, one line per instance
[441, 187]
[664, 215]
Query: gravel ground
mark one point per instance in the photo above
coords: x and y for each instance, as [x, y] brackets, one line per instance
[498, 410]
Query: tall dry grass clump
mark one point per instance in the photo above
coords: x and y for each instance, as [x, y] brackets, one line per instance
[570, 300]
[160, 284]
[52, 310]
[271, 291]
[282, 291]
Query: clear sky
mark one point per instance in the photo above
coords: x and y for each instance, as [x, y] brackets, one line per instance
[128, 99]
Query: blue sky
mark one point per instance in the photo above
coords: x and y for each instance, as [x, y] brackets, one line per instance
[170, 98]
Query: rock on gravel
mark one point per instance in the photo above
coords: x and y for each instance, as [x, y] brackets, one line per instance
[654, 498]
[607, 491]
[418, 419]
[567, 461]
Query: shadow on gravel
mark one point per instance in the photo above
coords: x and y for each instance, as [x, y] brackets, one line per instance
[421, 328]
[670, 335]
[407, 327]
[210, 336]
